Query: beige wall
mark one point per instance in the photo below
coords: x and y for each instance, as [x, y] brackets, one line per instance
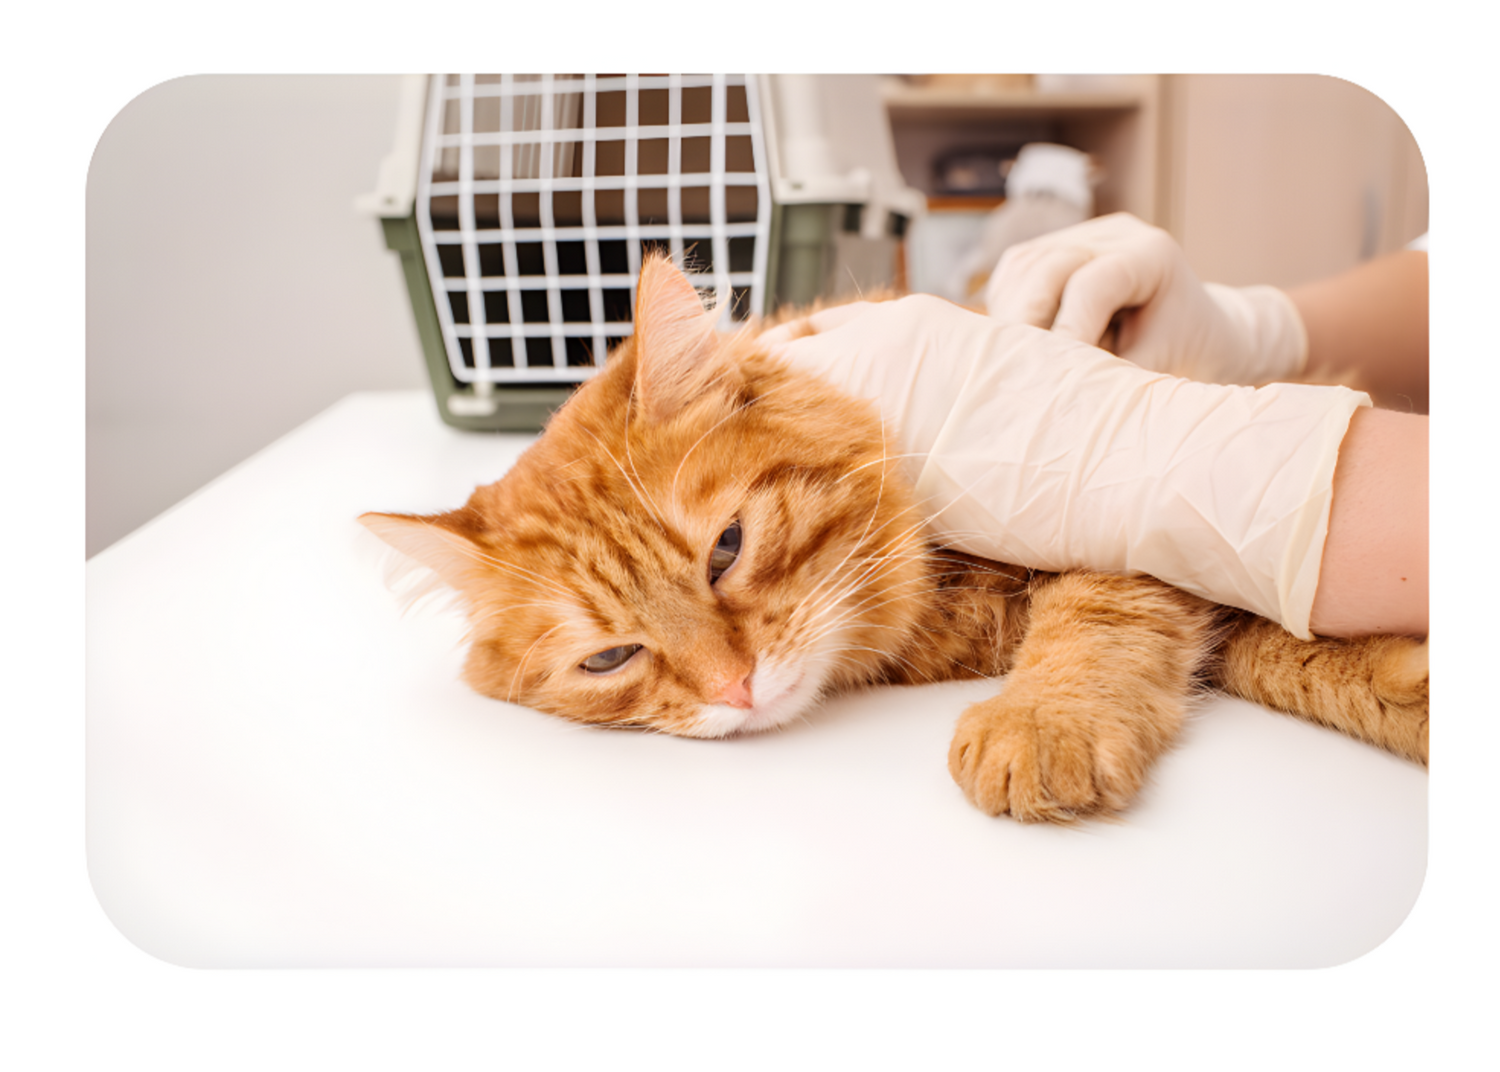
[1285, 178]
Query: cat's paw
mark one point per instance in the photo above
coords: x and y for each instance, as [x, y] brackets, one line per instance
[1045, 761]
[1399, 679]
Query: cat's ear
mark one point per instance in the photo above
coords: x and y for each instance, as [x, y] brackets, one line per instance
[433, 542]
[675, 340]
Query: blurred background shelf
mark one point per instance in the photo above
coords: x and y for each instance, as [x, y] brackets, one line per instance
[1274, 179]
[923, 104]
[1113, 118]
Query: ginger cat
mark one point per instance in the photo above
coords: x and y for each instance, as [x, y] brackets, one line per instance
[705, 541]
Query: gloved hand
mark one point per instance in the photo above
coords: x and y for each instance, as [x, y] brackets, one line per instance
[1030, 448]
[1076, 279]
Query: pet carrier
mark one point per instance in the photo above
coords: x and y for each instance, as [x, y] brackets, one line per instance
[521, 206]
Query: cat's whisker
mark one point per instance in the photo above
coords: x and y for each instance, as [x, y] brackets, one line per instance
[929, 673]
[733, 413]
[859, 291]
[984, 588]
[510, 608]
[872, 567]
[872, 570]
[859, 616]
[902, 537]
[813, 612]
[818, 630]
[932, 515]
[520, 573]
[879, 499]
[842, 654]
[469, 551]
[884, 459]
[903, 552]
[860, 543]
[896, 593]
[510, 692]
[640, 494]
[875, 509]
[629, 408]
[816, 624]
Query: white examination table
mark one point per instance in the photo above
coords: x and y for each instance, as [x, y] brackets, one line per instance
[285, 771]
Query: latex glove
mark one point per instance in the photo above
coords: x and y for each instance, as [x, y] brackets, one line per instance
[1076, 279]
[1029, 448]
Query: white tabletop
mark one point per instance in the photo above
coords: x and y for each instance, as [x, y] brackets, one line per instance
[283, 770]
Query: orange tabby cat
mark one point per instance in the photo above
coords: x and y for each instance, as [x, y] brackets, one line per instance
[706, 541]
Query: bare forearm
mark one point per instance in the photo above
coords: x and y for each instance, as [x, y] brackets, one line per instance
[1374, 569]
[1372, 321]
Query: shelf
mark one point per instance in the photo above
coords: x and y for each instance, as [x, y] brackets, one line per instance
[919, 104]
[963, 203]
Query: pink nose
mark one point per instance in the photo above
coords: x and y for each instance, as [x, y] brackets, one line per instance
[737, 694]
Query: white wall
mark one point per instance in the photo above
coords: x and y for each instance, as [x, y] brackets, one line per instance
[232, 290]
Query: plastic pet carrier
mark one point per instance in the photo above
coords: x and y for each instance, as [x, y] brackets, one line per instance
[521, 206]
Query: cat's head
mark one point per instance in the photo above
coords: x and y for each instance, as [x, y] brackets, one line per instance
[701, 542]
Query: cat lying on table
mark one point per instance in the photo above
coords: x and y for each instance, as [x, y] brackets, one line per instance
[706, 541]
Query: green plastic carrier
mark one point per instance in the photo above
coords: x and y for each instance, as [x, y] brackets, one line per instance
[521, 207]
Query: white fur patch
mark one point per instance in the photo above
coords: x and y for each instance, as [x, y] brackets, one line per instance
[782, 692]
[411, 582]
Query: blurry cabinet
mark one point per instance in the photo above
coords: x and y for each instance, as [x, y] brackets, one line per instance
[1262, 178]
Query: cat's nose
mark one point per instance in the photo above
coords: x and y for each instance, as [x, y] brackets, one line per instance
[737, 694]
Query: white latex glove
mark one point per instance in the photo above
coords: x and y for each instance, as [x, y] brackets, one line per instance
[1029, 448]
[1076, 279]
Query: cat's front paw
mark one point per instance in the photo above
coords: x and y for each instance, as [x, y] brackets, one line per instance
[1042, 760]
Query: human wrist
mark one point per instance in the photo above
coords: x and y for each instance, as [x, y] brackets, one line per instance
[1028, 448]
[1374, 567]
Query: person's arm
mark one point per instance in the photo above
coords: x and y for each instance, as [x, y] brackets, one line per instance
[1369, 324]
[1372, 320]
[1373, 577]
[1031, 448]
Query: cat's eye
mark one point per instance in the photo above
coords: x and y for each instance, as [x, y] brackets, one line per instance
[725, 552]
[605, 661]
